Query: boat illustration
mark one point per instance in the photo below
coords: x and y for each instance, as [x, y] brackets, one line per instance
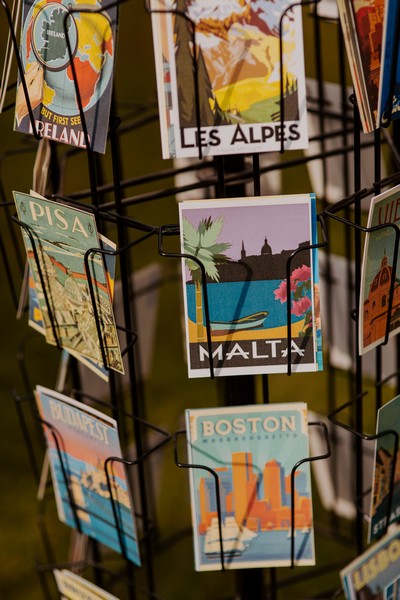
[234, 538]
[254, 321]
[289, 534]
[79, 499]
[305, 530]
[95, 481]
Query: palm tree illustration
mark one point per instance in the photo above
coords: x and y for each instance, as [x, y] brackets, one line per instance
[201, 242]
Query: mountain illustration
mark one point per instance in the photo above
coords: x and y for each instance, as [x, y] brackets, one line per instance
[232, 61]
[238, 42]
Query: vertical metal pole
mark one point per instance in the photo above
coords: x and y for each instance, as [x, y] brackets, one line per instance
[273, 585]
[240, 390]
[133, 387]
[359, 381]
[320, 84]
[378, 351]
[347, 189]
[256, 175]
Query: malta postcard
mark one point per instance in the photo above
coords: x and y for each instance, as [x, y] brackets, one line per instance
[62, 235]
[86, 439]
[375, 570]
[244, 246]
[73, 587]
[252, 449]
[48, 64]
[233, 105]
[376, 272]
[388, 419]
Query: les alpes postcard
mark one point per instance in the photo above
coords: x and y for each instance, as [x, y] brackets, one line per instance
[62, 235]
[244, 246]
[253, 450]
[377, 272]
[375, 573]
[227, 98]
[49, 64]
[86, 439]
[388, 419]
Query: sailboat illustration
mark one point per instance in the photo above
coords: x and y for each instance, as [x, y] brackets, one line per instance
[235, 539]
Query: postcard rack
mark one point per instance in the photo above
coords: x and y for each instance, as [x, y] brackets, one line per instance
[147, 406]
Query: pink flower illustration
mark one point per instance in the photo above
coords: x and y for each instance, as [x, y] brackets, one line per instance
[299, 307]
[302, 273]
[301, 303]
[281, 292]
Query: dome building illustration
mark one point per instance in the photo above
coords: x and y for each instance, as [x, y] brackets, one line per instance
[377, 303]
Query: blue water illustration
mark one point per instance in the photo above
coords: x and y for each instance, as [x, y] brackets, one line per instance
[231, 300]
[269, 545]
[96, 516]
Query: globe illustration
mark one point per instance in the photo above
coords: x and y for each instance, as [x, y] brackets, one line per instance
[49, 27]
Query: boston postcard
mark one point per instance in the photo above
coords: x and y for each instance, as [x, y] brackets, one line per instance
[252, 450]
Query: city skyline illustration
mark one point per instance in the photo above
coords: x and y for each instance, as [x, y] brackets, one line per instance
[259, 501]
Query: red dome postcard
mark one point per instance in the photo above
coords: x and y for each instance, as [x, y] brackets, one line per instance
[380, 289]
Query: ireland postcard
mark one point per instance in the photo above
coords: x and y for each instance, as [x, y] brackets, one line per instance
[80, 440]
[252, 451]
[388, 420]
[62, 235]
[244, 246]
[234, 95]
[64, 48]
[377, 276]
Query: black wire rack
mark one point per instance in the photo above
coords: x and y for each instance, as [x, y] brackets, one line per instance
[115, 199]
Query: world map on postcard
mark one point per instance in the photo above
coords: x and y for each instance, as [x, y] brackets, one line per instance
[61, 51]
